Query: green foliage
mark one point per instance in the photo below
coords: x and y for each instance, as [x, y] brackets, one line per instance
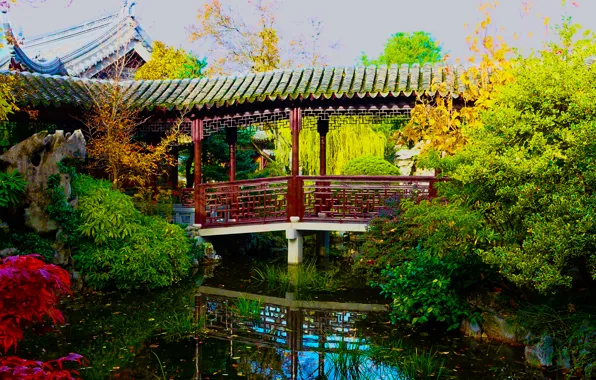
[107, 215]
[28, 243]
[349, 137]
[417, 47]
[370, 165]
[422, 258]
[154, 255]
[247, 308]
[60, 208]
[426, 288]
[303, 278]
[170, 63]
[572, 334]
[530, 170]
[182, 325]
[216, 157]
[12, 186]
[124, 248]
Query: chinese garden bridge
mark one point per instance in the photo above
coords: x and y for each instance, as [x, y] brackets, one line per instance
[316, 98]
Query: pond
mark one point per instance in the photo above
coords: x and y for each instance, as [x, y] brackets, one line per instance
[238, 322]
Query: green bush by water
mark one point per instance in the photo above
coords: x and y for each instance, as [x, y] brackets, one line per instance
[370, 165]
[421, 258]
[123, 248]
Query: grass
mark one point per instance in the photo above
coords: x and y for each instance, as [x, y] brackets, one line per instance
[349, 362]
[247, 308]
[305, 277]
[181, 326]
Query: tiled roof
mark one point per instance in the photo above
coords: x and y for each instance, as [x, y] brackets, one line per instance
[310, 83]
[81, 50]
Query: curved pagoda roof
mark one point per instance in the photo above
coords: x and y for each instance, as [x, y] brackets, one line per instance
[40, 90]
[81, 50]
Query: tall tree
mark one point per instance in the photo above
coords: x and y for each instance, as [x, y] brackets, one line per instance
[417, 47]
[167, 62]
[251, 41]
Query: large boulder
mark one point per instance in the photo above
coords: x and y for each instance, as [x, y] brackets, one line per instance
[37, 158]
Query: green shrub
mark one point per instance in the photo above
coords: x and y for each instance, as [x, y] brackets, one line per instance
[155, 255]
[421, 256]
[32, 243]
[370, 165]
[12, 186]
[107, 214]
[123, 248]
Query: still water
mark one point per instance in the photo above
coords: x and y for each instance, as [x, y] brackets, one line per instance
[226, 325]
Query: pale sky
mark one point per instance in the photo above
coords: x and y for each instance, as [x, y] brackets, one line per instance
[356, 25]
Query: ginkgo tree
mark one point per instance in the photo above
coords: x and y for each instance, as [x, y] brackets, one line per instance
[167, 62]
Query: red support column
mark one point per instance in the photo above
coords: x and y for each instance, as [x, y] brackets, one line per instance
[199, 195]
[232, 139]
[295, 206]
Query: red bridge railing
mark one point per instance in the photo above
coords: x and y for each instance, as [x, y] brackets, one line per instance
[340, 199]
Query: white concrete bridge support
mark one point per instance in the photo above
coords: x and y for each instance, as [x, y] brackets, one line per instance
[294, 233]
[295, 246]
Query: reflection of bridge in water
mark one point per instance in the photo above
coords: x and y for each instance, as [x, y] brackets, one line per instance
[306, 332]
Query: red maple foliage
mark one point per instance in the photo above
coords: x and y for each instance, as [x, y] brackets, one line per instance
[29, 291]
[13, 367]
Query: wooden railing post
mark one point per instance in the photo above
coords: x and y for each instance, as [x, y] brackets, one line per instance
[199, 191]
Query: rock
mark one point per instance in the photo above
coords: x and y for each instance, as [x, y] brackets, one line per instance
[542, 353]
[471, 329]
[499, 329]
[8, 252]
[76, 281]
[37, 158]
[405, 159]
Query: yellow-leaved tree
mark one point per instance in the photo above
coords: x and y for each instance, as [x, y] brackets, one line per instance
[167, 62]
[439, 120]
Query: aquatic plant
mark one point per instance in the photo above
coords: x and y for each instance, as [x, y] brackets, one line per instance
[247, 308]
[422, 365]
[349, 362]
[302, 278]
[182, 325]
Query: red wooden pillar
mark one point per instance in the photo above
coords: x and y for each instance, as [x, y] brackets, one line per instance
[232, 139]
[199, 194]
[295, 207]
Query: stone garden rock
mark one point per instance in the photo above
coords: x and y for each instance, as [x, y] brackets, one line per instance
[542, 353]
[8, 252]
[37, 158]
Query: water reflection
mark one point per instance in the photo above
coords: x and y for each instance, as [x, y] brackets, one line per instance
[294, 339]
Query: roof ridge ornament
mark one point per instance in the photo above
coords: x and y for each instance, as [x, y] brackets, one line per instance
[128, 8]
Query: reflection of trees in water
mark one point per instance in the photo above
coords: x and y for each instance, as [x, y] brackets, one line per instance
[260, 362]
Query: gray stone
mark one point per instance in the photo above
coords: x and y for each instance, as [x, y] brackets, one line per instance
[37, 158]
[542, 353]
[471, 329]
[76, 281]
[8, 252]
